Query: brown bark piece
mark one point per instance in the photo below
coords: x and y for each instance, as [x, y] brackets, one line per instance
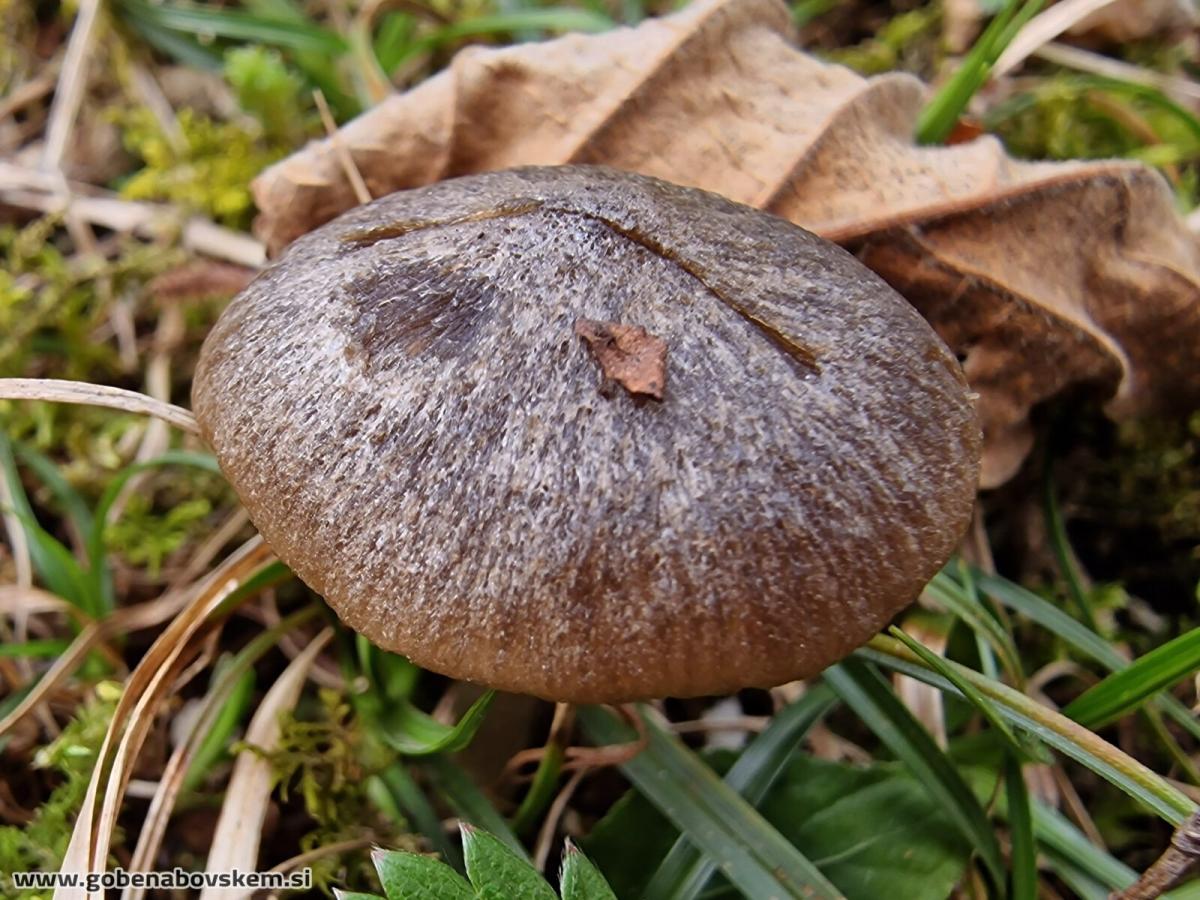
[628, 355]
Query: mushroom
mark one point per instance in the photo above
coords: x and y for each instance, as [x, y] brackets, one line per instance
[591, 436]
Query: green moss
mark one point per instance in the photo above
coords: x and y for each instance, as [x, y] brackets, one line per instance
[268, 90]
[210, 174]
[1070, 117]
[145, 537]
[324, 759]
[40, 845]
[1159, 470]
[52, 305]
[909, 42]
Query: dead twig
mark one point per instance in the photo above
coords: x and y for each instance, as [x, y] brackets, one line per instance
[29, 188]
[1178, 862]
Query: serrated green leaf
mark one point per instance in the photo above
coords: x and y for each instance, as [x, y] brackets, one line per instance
[354, 895]
[499, 874]
[409, 876]
[580, 879]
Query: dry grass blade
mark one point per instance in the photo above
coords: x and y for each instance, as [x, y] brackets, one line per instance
[1043, 28]
[69, 93]
[33, 601]
[18, 541]
[59, 391]
[335, 849]
[62, 668]
[143, 690]
[1183, 90]
[162, 800]
[239, 828]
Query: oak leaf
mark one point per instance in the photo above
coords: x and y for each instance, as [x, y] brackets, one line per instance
[1043, 277]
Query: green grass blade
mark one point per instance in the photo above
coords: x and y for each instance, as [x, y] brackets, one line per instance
[684, 872]
[470, 804]
[72, 503]
[1020, 820]
[1052, 728]
[409, 731]
[231, 715]
[207, 22]
[956, 600]
[393, 37]
[755, 857]
[537, 20]
[1058, 836]
[557, 19]
[58, 570]
[182, 47]
[541, 789]
[1057, 530]
[1127, 689]
[233, 685]
[865, 692]
[984, 705]
[46, 648]
[1077, 636]
[939, 116]
[404, 792]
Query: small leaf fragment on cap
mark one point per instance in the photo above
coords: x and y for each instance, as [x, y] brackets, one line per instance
[628, 355]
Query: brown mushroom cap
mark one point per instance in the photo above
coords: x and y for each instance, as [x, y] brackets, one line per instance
[406, 409]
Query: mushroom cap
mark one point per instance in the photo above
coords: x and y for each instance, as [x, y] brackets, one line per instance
[406, 407]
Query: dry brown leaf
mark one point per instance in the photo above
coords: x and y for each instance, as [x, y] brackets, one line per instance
[1041, 276]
